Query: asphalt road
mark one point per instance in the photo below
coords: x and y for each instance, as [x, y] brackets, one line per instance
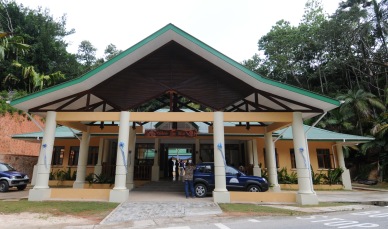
[375, 217]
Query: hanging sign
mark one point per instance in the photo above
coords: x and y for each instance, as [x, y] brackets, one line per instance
[171, 133]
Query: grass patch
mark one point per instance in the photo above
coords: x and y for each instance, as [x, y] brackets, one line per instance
[327, 204]
[58, 207]
[253, 209]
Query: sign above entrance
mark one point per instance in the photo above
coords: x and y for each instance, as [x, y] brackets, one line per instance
[171, 133]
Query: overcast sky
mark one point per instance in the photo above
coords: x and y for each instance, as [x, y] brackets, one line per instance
[233, 27]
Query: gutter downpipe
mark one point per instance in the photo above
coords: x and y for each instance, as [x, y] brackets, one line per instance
[75, 135]
[281, 134]
[41, 128]
[307, 148]
[35, 122]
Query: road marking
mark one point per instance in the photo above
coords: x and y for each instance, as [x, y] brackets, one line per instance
[254, 221]
[184, 227]
[221, 226]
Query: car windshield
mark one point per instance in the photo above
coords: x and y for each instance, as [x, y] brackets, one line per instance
[6, 167]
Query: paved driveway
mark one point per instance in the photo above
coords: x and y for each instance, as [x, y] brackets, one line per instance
[13, 193]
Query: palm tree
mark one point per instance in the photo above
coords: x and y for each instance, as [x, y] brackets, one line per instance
[362, 104]
[13, 43]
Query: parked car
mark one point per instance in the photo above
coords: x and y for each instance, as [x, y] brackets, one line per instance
[9, 177]
[235, 180]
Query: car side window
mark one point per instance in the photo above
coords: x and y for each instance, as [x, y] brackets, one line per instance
[208, 169]
[205, 169]
[230, 171]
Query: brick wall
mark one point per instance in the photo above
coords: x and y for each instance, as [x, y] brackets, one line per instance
[22, 155]
[21, 163]
[18, 124]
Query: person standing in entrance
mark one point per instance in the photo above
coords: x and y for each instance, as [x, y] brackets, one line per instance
[176, 169]
[170, 167]
[181, 169]
[189, 184]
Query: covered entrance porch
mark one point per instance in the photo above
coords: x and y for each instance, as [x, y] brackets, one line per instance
[171, 69]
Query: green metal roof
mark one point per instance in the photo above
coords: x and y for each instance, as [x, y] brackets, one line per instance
[317, 134]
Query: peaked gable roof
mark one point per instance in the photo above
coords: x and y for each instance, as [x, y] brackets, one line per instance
[235, 88]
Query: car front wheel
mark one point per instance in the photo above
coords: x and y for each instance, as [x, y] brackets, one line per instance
[4, 186]
[200, 190]
[253, 188]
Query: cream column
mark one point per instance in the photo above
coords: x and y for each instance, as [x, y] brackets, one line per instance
[345, 176]
[105, 153]
[271, 162]
[41, 190]
[256, 167]
[306, 194]
[82, 160]
[250, 154]
[131, 158]
[155, 166]
[220, 193]
[120, 192]
[98, 166]
[197, 151]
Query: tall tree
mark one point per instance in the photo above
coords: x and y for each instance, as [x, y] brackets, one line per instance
[111, 51]
[45, 36]
[87, 54]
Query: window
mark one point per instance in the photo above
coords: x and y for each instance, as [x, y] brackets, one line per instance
[276, 158]
[205, 169]
[57, 158]
[230, 171]
[293, 161]
[93, 155]
[324, 158]
[73, 155]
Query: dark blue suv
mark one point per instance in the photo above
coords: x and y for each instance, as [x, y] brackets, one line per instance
[9, 177]
[235, 180]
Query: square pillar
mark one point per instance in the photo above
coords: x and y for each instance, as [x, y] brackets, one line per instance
[271, 162]
[120, 193]
[131, 158]
[41, 190]
[306, 194]
[155, 166]
[220, 193]
[82, 160]
[345, 176]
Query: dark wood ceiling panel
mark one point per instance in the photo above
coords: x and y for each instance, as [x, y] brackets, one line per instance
[172, 67]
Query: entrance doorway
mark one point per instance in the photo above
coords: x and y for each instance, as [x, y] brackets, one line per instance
[171, 155]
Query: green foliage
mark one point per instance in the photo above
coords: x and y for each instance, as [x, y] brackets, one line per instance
[333, 176]
[264, 173]
[41, 40]
[317, 178]
[364, 171]
[285, 178]
[63, 174]
[343, 56]
[93, 178]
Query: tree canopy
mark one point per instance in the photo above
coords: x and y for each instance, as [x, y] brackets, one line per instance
[343, 55]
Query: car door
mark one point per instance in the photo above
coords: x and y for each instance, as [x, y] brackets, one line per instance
[233, 182]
